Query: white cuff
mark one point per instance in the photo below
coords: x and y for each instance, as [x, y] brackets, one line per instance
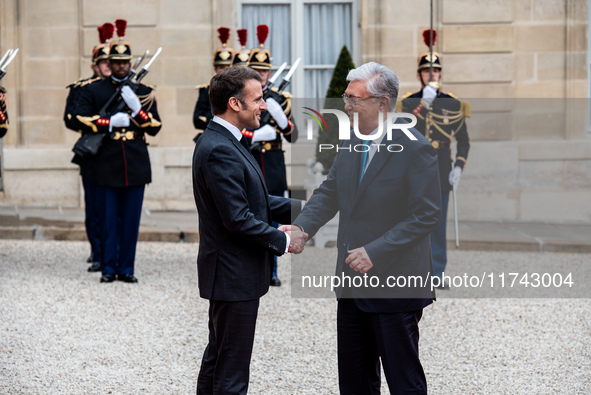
[287, 244]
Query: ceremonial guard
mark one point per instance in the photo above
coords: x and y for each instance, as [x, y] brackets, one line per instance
[100, 69]
[222, 59]
[276, 123]
[441, 117]
[121, 112]
[3, 113]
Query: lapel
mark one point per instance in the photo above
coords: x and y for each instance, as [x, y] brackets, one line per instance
[216, 127]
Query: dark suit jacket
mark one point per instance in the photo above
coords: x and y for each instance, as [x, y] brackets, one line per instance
[237, 241]
[391, 213]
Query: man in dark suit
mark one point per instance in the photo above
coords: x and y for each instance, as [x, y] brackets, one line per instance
[388, 198]
[237, 242]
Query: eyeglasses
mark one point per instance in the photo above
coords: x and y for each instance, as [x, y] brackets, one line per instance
[355, 100]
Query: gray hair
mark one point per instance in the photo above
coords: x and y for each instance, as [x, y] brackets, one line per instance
[381, 81]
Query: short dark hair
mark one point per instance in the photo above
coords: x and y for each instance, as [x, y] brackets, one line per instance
[229, 83]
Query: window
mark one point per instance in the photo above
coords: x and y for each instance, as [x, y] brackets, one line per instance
[314, 31]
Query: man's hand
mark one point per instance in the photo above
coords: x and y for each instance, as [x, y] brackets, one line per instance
[454, 176]
[119, 120]
[131, 99]
[358, 260]
[429, 94]
[266, 133]
[297, 236]
[276, 112]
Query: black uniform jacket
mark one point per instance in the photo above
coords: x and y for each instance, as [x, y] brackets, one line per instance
[123, 158]
[3, 120]
[70, 115]
[237, 241]
[202, 114]
[446, 120]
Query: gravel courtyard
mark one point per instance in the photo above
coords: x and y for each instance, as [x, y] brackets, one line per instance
[62, 332]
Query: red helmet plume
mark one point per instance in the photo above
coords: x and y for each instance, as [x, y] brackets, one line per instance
[107, 32]
[427, 37]
[224, 35]
[262, 33]
[121, 25]
[242, 35]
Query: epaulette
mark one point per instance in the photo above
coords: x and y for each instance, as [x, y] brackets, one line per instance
[466, 108]
[153, 87]
[90, 81]
[287, 95]
[202, 86]
[76, 84]
[405, 96]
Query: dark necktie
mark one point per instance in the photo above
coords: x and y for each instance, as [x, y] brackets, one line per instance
[244, 143]
[363, 161]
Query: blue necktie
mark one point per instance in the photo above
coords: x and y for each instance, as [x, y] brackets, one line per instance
[363, 161]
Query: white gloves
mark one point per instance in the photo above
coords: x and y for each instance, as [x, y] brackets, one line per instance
[429, 94]
[131, 99]
[119, 120]
[454, 176]
[276, 112]
[266, 133]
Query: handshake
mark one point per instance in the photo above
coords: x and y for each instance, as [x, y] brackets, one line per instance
[297, 237]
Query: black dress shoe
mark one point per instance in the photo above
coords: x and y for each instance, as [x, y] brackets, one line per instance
[275, 282]
[95, 267]
[127, 278]
[108, 278]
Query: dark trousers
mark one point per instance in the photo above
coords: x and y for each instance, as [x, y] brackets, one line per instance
[91, 221]
[120, 214]
[226, 360]
[365, 338]
[439, 239]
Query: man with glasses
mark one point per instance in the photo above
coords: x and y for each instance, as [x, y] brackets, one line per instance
[388, 204]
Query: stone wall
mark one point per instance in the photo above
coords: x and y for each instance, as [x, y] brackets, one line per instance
[517, 62]
[530, 158]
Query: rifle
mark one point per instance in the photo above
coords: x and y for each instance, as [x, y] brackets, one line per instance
[266, 117]
[115, 103]
[5, 61]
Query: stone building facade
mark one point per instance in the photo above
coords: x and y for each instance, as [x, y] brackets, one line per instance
[523, 64]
